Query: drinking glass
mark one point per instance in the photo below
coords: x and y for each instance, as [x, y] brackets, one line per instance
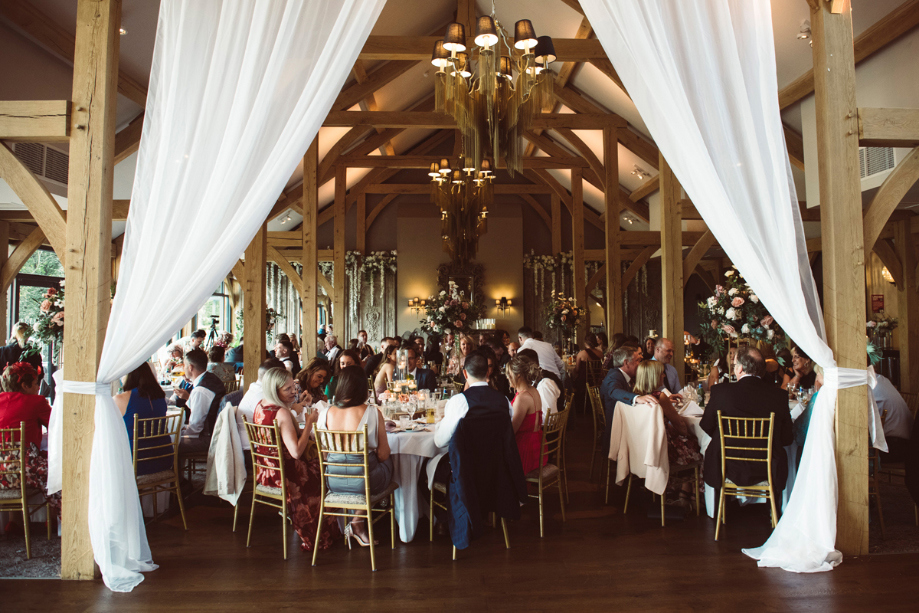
[404, 421]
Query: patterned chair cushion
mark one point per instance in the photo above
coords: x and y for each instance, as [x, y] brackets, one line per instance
[760, 484]
[163, 475]
[268, 490]
[12, 493]
[332, 499]
[549, 471]
[440, 487]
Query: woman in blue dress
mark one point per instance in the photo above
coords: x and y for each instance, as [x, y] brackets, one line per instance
[144, 398]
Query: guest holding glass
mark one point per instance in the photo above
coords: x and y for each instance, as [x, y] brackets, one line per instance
[174, 357]
[432, 354]
[804, 375]
[348, 357]
[144, 398]
[304, 487]
[387, 368]
[527, 411]
[350, 412]
[312, 380]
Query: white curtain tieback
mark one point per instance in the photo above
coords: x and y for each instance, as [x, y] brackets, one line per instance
[88, 388]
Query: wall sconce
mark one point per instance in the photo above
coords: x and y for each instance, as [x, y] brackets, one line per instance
[503, 304]
[416, 305]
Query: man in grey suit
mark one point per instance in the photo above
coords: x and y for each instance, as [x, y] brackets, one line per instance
[617, 386]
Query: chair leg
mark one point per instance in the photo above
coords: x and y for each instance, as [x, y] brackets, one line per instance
[695, 490]
[720, 518]
[25, 528]
[454, 553]
[373, 557]
[284, 525]
[235, 514]
[252, 517]
[775, 516]
[181, 505]
[431, 513]
[540, 510]
[561, 498]
[606, 499]
[628, 491]
[319, 529]
[507, 541]
[392, 519]
[48, 520]
[877, 497]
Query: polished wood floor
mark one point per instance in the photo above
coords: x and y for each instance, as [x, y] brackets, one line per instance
[598, 559]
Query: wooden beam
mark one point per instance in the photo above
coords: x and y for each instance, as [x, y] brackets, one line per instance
[647, 188]
[37, 198]
[537, 207]
[639, 208]
[907, 308]
[374, 81]
[606, 67]
[843, 261]
[239, 272]
[556, 226]
[888, 29]
[592, 160]
[640, 147]
[433, 120]
[127, 141]
[425, 161]
[370, 104]
[889, 195]
[672, 263]
[577, 244]
[288, 270]
[546, 144]
[361, 223]
[614, 316]
[795, 145]
[889, 258]
[695, 255]
[382, 204]
[20, 255]
[640, 260]
[888, 127]
[309, 256]
[425, 188]
[254, 305]
[89, 260]
[120, 210]
[339, 316]
[35, 121]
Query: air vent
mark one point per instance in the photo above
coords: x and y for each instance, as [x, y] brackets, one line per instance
[44, 162]
[872, 160]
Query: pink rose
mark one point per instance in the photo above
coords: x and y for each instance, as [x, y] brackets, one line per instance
[458, 323]
[564, 317]
[728, 329]
[767, 321]
[465, 305]
[58, 318]
[45, 306]
[51, 291]
[737, 301]
[463, 316]
[714, 325]
[719, 290]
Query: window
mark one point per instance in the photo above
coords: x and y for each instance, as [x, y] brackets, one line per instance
[214, 316]
[41, 271]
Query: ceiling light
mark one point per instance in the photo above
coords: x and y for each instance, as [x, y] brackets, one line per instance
[640, 172]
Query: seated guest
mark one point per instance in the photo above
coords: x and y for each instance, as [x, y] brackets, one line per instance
[20, 402]
[350, 411]
[647, 348]
[699, 349]
[618, 383]
[373, 362]
[320, 346]
[284, 351]
[235, 354]
[496, 377]
[432, 355]
[750, 396]
[144, 398]
[364, 350]
[537, 335]
[224, 370]
[898, 420]
[332, 349]
[304, 487]
[602, 342]
[251, 399]
[682, 446]
[663, 353]
[803, 375]
[11, 353]
[527, 411]
[548, 359]
[174, 357]
[479, 394]
[548, 385]
[312, 380]
[195, 340]
[513, 348]
[348, 357]
[590, 353]
[384, 375]
[465, 347]
[418, 343]
[423, 378]
[202, 401]
[500, 352]
[618, 341]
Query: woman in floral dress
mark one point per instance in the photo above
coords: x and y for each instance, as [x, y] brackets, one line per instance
[302, 472]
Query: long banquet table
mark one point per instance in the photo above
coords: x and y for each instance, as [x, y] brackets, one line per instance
[409, 451]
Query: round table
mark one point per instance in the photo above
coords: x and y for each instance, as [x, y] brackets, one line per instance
[409, 450]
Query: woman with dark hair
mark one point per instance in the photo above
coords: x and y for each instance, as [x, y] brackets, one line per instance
[348, 357]
[312, 380]
[19, 403]
[387, 368]
[803, 375]
[224, 370]
[144, 398]
[350, 411]
[602, 342]
[13, 352]
[496, 378]
[302, 474]
[647, 349]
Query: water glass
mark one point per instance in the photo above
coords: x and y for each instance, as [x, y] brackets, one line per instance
[404, 421]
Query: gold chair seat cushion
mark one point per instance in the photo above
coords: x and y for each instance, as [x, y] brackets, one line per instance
[163, 475]
[14, 493]
[549, 471]
[760, 484]
[440, 487]
[332, 499]
[268, 490]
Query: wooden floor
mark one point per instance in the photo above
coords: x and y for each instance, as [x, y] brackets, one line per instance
[598, 559]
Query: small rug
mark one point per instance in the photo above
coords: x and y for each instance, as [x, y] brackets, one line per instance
[901, 535]
[46, 556]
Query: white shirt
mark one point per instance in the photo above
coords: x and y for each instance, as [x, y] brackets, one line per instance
[333, 353]
[549, 392]
[548, 359]
[246, 408]
[899, 421]
[456, 409]
[199, 403]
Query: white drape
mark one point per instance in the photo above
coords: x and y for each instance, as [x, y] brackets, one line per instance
[238, 90]
[702, 75]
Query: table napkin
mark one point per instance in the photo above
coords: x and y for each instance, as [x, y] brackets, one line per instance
[691, 409]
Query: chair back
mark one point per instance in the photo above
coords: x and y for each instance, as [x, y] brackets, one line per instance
[746, 439]
[151, 437]
[232, 386]
[597, 403]
[643, 427]
[594, 372]
[12, 465]
[912, 402]
[265, 447]
[348, 444]
[553, 428]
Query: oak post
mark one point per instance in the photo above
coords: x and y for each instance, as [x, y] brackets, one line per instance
[843, 259]
[310, 257]
[4, 251]
[89, 260]
[577, 234]
[613, 257]
[672, 263]
[556, 224]
[907, 309]
[339, 317]
[254, 305]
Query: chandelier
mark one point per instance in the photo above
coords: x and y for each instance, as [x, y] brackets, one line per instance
[463, 195]
[493, 90]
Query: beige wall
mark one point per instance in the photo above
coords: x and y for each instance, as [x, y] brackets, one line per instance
[875, 284]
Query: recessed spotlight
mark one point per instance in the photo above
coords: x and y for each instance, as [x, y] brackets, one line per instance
[639, 172]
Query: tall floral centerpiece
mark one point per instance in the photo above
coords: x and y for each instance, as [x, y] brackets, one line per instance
[735, 312]
[48, 328]
[449, 311]
[563, 314]
[880, 328]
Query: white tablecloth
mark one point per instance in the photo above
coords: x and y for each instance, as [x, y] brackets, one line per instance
[409, 451]
[711, 505]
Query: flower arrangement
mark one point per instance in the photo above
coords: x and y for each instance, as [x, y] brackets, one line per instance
[49, 327]
[449, 311]
[881, 324]
[563, 313]
[735, 311]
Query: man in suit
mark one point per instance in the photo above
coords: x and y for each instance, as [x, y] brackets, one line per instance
[617, 385]
[424, 378]
[750, 396]
[332, 349]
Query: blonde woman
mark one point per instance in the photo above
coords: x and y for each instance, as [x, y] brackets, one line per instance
[466, 346]
[302, 474]
[527, 407]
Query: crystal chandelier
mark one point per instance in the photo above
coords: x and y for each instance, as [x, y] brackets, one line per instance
[493, 107]
[463, 195]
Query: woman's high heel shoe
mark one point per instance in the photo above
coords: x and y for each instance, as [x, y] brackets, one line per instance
[362, 541]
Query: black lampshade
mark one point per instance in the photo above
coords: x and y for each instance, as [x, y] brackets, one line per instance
[486, 167]
[445, 166]
[486, 35]
[455, 38]
[544, 50]
[462, 64]
[506, 67]
[524, 35]
[440, 55]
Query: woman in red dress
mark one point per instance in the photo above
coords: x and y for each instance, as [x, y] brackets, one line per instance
[302, 473]
[527, 405]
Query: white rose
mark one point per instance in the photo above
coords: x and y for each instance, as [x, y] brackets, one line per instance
[721, 310]
[729, 273]
[565, 312]
[754, 298]
[712, 301]
[733, 291]
[61, 284]
[730, 313]
[443, 293]
[770, 334]
[36, 327]
[442, 309]
[745, 329]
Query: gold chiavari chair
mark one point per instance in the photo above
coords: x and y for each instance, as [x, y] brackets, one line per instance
[562, 463]
[232, 386]
[352, 443]
[13, 471]
[735, 434]
[442, 489]
[267, 455]
[599, 419]
[158, 438]
[549, 474]
[874, 467]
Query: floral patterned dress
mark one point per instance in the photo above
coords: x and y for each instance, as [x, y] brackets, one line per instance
[303, 488]
[681, 450]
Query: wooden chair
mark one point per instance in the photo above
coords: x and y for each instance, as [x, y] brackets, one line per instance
[733, 432]
[562, 455]
[549, 474]
[442, 489]
[159, 438]
[593, 377]
[13, 471]
[599, 419]
[352, 443]
[232, 386]
[912, 401]
[267, 455]
[874, 468]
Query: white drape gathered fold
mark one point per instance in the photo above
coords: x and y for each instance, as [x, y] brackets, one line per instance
[238, 90]
[702, 75]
